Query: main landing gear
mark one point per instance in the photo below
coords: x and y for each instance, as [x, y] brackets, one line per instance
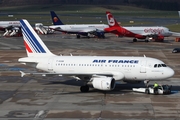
[78, 36]
[134, 40]
[84, 88]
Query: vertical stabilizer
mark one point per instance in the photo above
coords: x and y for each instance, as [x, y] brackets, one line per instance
[55, 19]
[35, 47]
[111, 21]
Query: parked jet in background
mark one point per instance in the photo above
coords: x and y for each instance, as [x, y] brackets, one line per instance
[101, 71]
[9, 25]
[147, 33]
[81, 29]
[11, 28]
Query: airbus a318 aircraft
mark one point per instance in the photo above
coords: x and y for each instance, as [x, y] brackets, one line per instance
[147, 33]
[78, 29]
[101, 71]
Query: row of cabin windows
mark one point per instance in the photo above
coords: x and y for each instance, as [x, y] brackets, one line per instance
[96, 65]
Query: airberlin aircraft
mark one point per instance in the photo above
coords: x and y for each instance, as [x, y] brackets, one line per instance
[146, 33]
[101, 71]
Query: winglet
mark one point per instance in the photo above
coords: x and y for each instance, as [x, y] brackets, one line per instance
[55, 19]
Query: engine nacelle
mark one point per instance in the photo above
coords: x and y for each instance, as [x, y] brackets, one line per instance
[104, 83]
[158, 38]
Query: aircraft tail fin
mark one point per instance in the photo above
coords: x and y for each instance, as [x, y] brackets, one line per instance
[111, 21]
[35, 47]
[55, 19]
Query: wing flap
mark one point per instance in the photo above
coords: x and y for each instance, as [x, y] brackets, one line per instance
[65, 74]
[78, 76]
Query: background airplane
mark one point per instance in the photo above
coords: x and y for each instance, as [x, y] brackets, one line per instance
[10, 28]
[146, 33]
[101, 71]
[81, 29]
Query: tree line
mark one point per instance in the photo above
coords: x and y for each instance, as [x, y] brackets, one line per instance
[171, 5]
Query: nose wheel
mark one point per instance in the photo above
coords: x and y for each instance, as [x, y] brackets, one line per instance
[134, 40]
[84, 88]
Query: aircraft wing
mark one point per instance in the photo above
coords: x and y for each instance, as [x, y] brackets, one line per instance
[56, 29]
[175, 34]
[77, 76]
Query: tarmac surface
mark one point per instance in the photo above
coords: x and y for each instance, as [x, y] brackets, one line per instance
[59, 98]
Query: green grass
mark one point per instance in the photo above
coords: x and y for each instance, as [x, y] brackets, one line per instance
[89, 10]
[71, 8]
[174, 27]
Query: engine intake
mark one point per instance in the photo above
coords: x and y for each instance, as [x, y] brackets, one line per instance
[104, 83]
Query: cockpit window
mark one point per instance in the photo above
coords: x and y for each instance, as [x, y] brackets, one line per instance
[164, 65]
[155, 65]
[159, 65]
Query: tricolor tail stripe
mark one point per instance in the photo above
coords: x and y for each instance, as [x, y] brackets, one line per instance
[27, 47]
[31, 42]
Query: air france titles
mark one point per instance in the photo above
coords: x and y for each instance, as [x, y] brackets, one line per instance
[116, 61]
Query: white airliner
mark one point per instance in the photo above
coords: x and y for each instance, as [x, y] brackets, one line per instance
[78, 29]
[143, 32]
[10, 27]
[101, 71]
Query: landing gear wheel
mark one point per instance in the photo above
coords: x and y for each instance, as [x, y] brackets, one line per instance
[103, 36]
[134, 40]
[146, 40]
[84, 88]
[78, 36]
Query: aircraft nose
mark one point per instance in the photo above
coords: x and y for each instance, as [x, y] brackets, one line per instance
[170, 72]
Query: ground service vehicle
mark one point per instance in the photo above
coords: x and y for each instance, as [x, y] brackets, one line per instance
[176, 50]
[162, 89]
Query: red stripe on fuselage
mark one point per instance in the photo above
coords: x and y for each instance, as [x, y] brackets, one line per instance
[27, 47]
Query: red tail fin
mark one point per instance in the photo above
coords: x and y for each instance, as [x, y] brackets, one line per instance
[111, 21]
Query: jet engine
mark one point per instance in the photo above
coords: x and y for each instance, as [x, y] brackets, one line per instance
[158, 38]
[104, 83]
[98, 33]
